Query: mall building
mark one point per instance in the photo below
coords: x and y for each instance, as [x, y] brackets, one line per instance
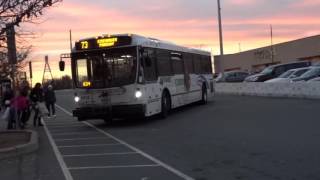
[306, 49]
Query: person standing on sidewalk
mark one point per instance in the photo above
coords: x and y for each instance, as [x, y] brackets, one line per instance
[37, 97]
[19, 110]
[50, 99]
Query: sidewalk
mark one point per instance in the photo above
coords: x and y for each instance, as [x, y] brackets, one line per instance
[3, 124]
[41, 165]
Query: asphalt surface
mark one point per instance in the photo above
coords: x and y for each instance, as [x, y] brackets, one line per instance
[230, 138]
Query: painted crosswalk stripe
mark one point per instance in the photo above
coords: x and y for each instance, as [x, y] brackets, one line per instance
[102, 154]
[90, 145]
[112, 167]
[74, 133]
[153, 159]
[79, 139]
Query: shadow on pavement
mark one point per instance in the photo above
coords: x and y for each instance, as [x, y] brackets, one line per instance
[136, 122]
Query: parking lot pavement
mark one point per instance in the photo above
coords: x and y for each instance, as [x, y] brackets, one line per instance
[85, 152]
[232, 138]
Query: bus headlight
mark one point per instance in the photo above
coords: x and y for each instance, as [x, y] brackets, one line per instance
[76, 99]
[138, 94]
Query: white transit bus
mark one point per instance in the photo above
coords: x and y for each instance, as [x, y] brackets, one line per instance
[118, 76]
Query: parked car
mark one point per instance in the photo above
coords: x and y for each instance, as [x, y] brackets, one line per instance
[316, 64]
[287, 76]
[275, 71]
[317, 79]
[232, 76]
[311, 74]
[215, 75]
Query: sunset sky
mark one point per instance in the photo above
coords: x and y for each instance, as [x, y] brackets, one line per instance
[186, 22]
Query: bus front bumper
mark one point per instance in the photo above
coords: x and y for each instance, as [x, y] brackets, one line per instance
[119, 111]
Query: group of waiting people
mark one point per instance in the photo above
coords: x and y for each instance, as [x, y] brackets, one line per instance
[19, 106]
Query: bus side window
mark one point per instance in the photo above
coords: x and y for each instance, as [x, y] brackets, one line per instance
[206, 65]
[177, 64]
[188, 63]
[164, 63]
[210, 63]
[149, 62]
[197, 64]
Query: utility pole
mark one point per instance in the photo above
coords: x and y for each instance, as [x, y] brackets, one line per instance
[271, 44]
[70, 36]
[220, 29]
[70, 32]
[30, 73]
[12, 52]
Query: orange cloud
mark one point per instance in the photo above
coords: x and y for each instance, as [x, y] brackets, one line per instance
[87, 20]
[243, 2]
[305, 3]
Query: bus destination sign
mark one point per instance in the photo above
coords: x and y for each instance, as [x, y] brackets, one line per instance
[103, 42]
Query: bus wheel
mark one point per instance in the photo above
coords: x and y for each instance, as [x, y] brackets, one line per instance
[204, 96]
[165, 105]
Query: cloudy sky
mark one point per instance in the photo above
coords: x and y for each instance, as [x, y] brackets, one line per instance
[191, 23]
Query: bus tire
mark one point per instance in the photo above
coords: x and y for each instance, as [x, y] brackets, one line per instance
[204, 95]
[165, 104]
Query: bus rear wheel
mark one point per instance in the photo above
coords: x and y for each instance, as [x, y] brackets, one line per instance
[165, 105]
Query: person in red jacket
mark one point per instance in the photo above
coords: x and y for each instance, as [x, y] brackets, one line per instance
[19, 111]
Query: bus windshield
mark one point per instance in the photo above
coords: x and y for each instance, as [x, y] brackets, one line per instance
[107, 68]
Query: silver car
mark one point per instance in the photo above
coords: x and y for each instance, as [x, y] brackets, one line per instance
[287, 76]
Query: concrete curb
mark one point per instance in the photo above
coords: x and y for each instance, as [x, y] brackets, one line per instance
[23, 149]
[271, 95]
[301, 90]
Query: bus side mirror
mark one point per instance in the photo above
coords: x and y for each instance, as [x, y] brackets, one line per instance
[62, 65]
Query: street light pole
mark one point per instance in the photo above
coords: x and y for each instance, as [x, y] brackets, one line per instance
[271, 44]
[220, 29]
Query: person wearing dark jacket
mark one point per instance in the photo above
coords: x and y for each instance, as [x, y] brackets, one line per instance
[37, 96]
[50, 99]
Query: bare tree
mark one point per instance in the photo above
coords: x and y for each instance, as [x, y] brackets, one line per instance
[6, 68]
[13, 13]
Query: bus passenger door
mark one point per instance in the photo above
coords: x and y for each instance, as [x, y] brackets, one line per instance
[187, 81]
[189, 77]
[179, 79]
[150, 77]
